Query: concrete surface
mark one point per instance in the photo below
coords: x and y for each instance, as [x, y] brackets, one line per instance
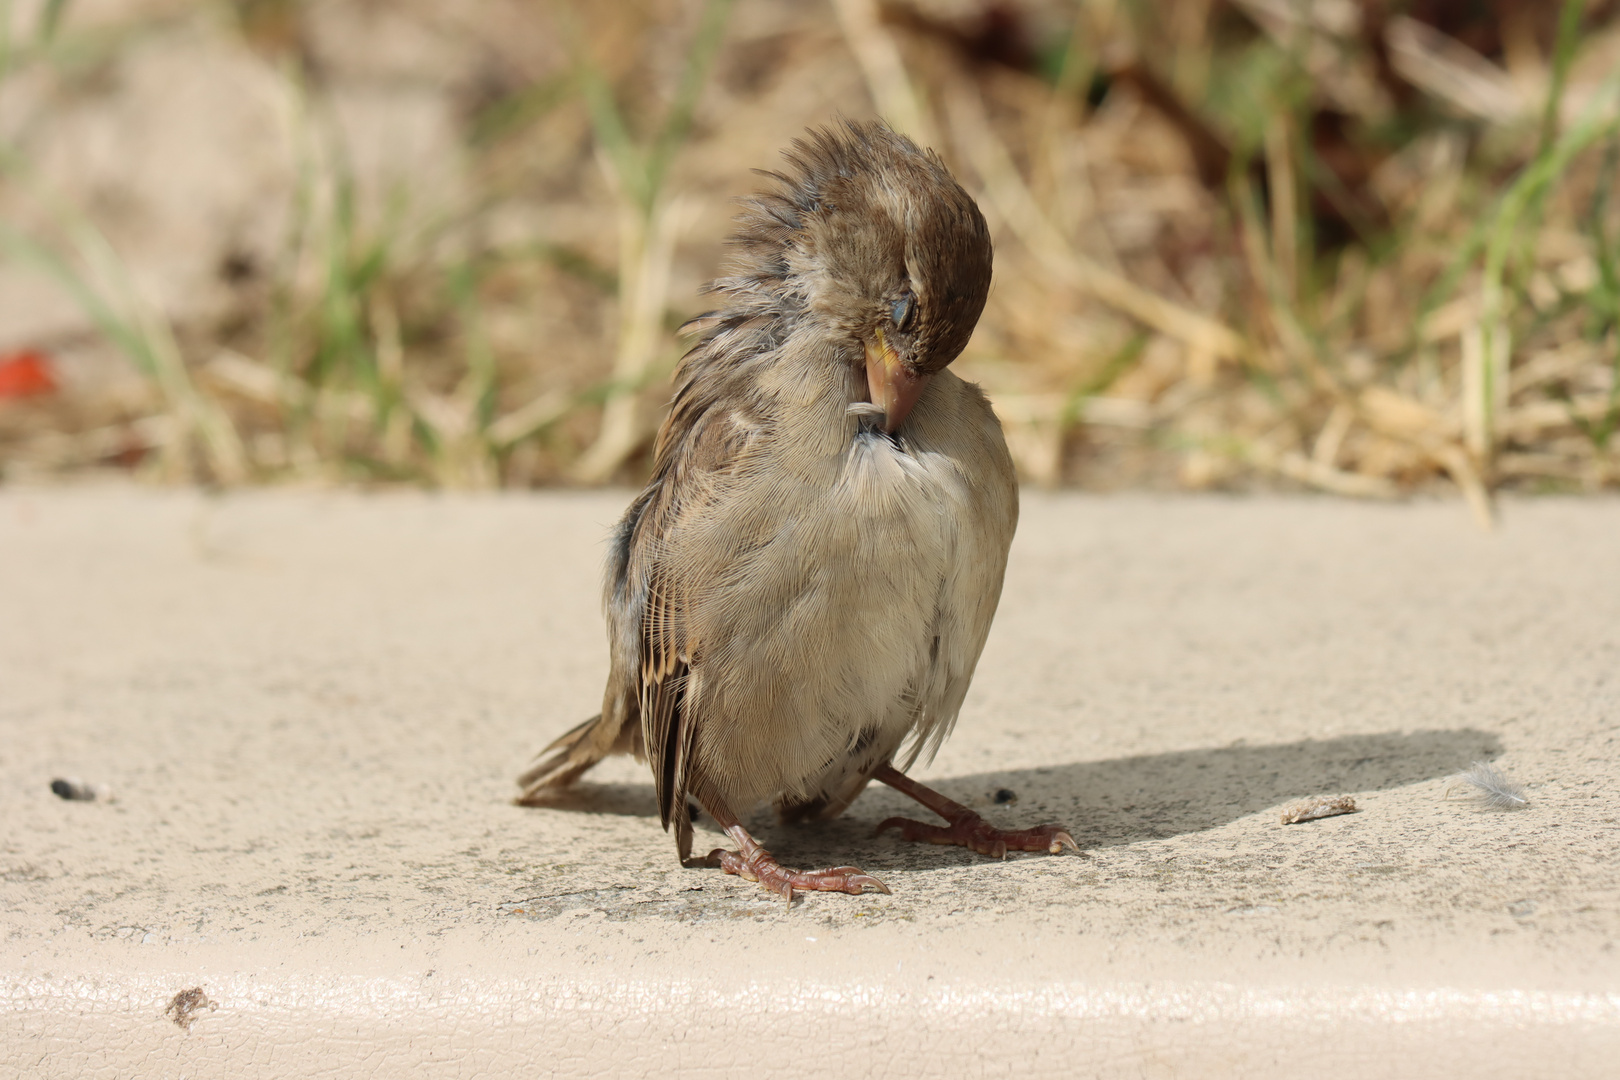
[310, 708]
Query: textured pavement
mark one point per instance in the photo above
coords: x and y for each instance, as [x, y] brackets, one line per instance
[309, 709]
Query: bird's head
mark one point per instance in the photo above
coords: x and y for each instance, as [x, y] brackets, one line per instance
[877, 244]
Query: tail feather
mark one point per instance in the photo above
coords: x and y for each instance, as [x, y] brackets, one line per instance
[568, 757]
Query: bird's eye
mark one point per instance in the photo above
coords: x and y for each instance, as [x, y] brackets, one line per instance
[901, 311]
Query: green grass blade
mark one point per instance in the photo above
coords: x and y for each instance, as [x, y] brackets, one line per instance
[1569, 28]
[612, 133]
[699, 58]
[50, 18]
[1519, 202]
[115, 327]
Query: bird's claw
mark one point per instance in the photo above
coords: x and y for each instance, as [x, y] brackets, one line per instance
[759, 865]
[969, 830]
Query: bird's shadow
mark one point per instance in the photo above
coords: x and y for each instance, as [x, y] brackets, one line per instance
[1103, 803]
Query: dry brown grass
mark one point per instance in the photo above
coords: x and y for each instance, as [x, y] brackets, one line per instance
[1359, 247]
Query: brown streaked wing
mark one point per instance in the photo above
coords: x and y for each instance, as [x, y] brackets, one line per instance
[665, 669]
[696, 455]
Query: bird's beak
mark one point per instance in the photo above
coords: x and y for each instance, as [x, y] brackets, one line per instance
[891, 385]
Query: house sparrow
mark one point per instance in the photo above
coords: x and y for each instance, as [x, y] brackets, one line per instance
[801, 592]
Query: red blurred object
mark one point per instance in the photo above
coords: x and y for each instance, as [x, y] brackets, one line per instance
[25, 374]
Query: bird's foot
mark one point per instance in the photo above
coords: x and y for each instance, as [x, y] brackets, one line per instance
[759, 865]
[756, 864]
[967, 829]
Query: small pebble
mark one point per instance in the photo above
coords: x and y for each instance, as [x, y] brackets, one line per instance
[79, 791]
[1006, 796]
[1312, 809]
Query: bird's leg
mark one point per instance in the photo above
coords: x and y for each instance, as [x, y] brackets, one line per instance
[966, 827]
[756, 864]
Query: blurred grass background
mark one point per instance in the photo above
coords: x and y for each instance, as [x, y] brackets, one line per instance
[1364, 246]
